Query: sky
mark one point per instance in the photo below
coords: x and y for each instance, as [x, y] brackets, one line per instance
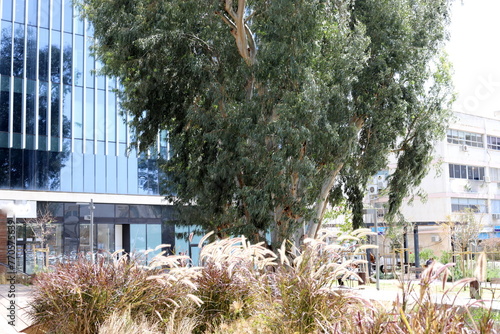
[474, 50]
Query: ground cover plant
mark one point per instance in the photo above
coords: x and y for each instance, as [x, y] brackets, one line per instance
[241, 287]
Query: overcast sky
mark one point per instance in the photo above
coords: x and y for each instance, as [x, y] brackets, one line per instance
[474, 50]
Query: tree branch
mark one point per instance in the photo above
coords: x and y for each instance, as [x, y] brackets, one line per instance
[240, 30]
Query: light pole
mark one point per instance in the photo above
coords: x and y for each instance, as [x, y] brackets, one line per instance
[91, 238]
[373, 210]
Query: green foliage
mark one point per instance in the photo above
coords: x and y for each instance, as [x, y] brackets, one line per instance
[224, 296]
[275, 108]
[76, 297]
[446, 257]
[243, 288]
[492, 273]
[424, 255]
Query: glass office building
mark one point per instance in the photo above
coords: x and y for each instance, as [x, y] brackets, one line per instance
[63, 140]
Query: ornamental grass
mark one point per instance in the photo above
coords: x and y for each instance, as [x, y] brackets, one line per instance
[241, 287]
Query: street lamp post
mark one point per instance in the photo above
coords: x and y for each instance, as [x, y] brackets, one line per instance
[91, 238]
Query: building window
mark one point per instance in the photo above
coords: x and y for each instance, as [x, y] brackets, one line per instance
[495, 206]
[474, 204]
[465, 138]
[466, 172]
[494, 174]
[494, 143]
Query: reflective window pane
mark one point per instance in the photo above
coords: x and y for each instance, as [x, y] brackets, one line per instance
[18, 105]
[19, 14]
[153, 239]
[90, 75]
[43, 55]
[42, 108]
[56, 14]
[30, 106]
[55, 113]
[4, 103]
[18, 69]
[100, 173]
[78, 113]
[56, 161]
[89, 114]
[67, 59]
[16, 169]
[133, 176]
[6, 9]
[29, 169]
[32, 12]
[78, 176]
[100, 113]
[111, 117]
[79, 26]
[55, 57]
[68, 15]
[44, 13]
[111, 179]
[4, 172]
[88, 173]
[67, 112]
[122, 175]
[137, 238]
[5, 47]
[66, 177]
[78, 60]
[101, 79]
[104, 210]
[105, 238]
[31, 54]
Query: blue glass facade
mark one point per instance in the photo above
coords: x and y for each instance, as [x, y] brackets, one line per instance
[60, 124]
[61, 131]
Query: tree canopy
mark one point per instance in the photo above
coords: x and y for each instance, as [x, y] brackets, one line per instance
[274, 108]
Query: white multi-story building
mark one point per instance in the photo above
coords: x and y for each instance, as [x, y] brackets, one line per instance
[465, 175]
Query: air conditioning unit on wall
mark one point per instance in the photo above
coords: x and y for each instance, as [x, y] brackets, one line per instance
[464, 148]
[435, 238]
[373, 189]
[495, 215]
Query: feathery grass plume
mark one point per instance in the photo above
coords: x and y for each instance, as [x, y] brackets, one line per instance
[123, 322]
[85, 294]
[304, 295]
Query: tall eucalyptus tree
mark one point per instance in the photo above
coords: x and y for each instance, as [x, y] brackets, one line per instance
[274, 108]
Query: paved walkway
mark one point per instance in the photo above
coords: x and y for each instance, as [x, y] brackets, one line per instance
[388, 292]
[16, 319]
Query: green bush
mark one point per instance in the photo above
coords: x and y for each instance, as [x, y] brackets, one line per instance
[76, 297]
[243, 288]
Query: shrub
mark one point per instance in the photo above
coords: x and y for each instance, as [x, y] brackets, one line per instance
[85, 294]
[227, 282]
[245, 288]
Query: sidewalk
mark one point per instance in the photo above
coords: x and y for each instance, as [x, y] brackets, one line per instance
[389, 292]
[18, 316]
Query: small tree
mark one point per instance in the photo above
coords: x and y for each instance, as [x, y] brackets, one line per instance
[464, 229]
[43, 227]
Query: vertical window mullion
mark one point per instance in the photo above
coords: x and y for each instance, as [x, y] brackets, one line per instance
[23, 105]
[106, 111]
[84, 85]
[11, 83]
[61, 80]
[37, 74]
[49, 85]
[96, 111]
